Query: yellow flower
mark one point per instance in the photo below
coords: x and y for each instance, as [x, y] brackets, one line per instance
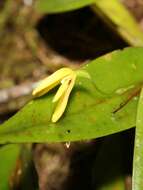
[66, 77]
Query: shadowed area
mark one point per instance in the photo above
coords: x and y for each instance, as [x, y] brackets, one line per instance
[78, 35]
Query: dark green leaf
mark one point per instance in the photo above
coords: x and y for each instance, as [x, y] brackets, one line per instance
[104, 105]
[53, 6]
[8, 157]
[115, 14]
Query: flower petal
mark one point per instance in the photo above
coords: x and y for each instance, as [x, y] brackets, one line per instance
[61, 106]
[50, 82]
[62, 89]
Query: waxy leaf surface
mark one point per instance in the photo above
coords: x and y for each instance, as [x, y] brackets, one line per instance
[102, 105]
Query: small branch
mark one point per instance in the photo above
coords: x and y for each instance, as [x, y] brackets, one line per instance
[15, 92]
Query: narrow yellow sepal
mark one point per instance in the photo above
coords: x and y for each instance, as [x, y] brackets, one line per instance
[50, 82]
[61, 105]
[62, 89]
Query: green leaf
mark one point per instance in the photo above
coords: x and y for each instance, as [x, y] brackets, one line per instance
[102, 105]
[54, 6]
[8, 158]
[138, 149]
[115, 14]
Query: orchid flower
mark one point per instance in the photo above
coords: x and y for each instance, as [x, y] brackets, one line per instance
[64, 76]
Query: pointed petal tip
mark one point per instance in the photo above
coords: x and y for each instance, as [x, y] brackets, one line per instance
[34, 93]
[54, 119]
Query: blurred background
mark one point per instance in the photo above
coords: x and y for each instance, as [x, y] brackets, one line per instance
[33, 45]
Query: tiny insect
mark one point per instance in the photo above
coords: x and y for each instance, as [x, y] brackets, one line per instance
[64, 76]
